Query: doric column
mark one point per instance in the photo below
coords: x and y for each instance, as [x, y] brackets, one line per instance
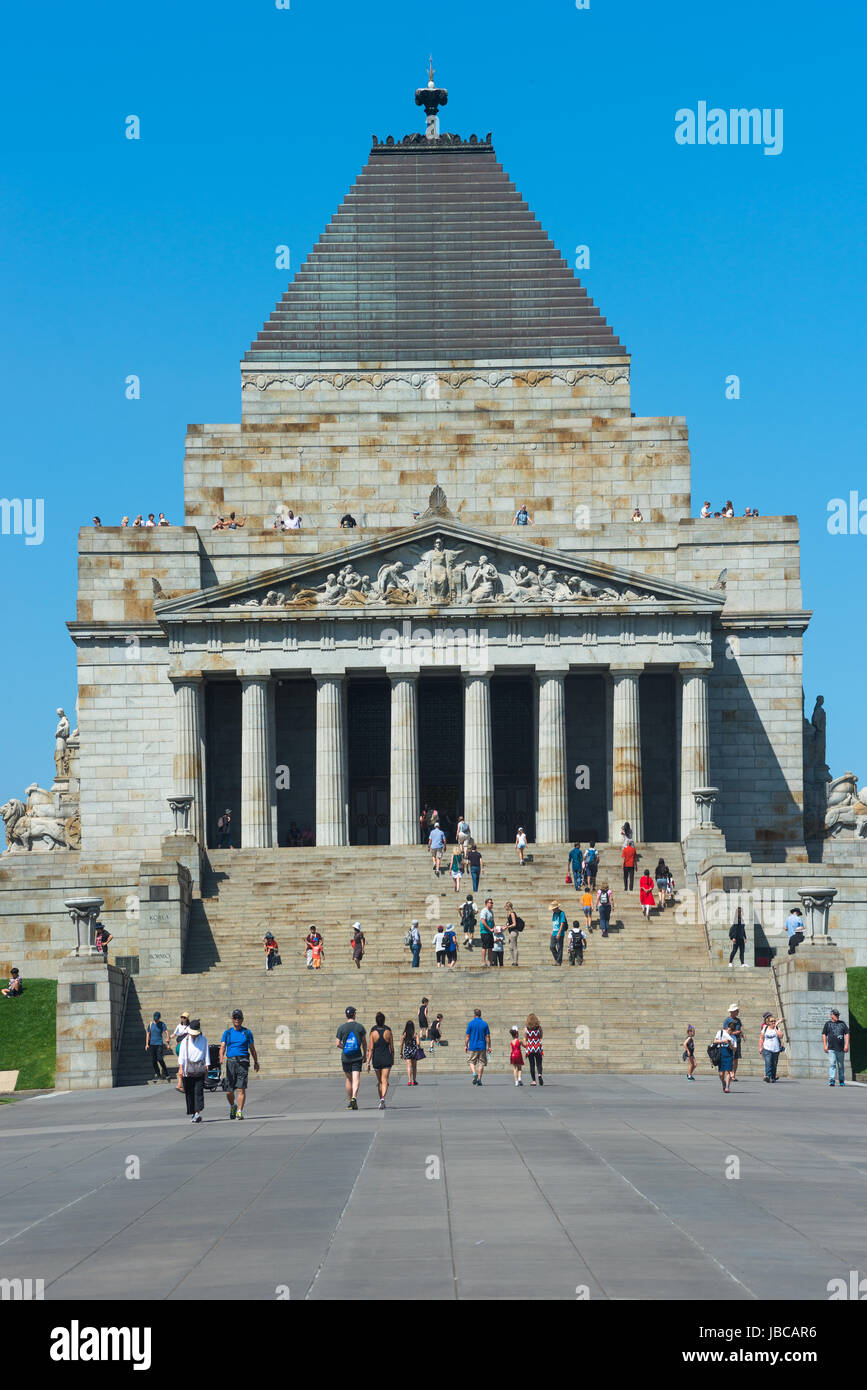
[478, 759]
[256, 769]
[628, 795]
[187, 767]
[552, 805]
[694, 746]
[330, 762]
[404, 760]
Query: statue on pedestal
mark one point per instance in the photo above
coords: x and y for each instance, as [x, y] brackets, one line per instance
[61, 755]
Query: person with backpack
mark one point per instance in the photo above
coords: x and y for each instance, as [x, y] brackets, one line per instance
[738, 938]
[516, 1056]
[271, 950]
[451, 945]
[577, 942]
[591, 864]
[411, 1052]
[627, 854]
[514, 927]
[604, 904]
[723, 1049]
[468, 921]
[575, 866]
[351, 1038]
[558, 932]
[521, 843]
[380, 1052]
[413, 940]
[358, 944]
[193, 1064]
[236, 1049]
[224, 825]
[661, 876]
[463, 831]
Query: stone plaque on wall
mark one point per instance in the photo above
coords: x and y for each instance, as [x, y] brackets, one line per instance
[159, 892]
[820, 981]
[732, 883]
[82, 994]
[158, 960]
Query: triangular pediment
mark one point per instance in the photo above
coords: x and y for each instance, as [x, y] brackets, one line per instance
[444, 565]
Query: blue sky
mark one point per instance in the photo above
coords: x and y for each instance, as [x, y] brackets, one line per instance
[156, 257]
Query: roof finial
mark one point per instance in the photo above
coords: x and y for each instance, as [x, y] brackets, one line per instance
[431, 98]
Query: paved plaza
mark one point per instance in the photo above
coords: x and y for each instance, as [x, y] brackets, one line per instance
[613, 1184]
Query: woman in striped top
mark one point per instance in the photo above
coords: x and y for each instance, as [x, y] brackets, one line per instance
[533, 1047]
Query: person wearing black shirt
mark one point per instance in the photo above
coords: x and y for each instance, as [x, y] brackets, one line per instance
[835, 1041]
[347, 521]
[738, 937]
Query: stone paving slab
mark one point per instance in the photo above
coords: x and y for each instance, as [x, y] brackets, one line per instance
[611, 1184]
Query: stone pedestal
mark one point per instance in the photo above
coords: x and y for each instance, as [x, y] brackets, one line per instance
[404, 761]
[165, 904]
[811, 983]
[89, 1006]
[552, 807]
[331, 807]
[816, 907]
[85, 914]
[627, 791]
[478, 759]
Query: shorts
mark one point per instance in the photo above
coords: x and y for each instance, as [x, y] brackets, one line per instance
[237, 1069]
[354, 1064]
[479, 1057]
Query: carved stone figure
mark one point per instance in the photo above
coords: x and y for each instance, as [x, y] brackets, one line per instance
[34, 826]
[486, 584]
[442, 576]
[526, 582]
[845, 811]
[61, 756]
[272, 599]
[818, 721]
[391, 578]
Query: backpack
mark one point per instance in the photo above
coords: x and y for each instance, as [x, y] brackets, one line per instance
[591, 857]
[714, 1052]
[351, 1045]
[407, 940]
[468, 916]
[519, 924]
[604, 897]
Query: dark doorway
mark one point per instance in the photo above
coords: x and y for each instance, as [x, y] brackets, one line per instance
[587, 739]
[514, 756]
[441, 748]
[369, 730]
[223, 753]
[295, 723]
[659, 761]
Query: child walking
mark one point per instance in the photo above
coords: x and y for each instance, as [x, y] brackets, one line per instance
[689, 1052]
[516, 1056]
[587, 904]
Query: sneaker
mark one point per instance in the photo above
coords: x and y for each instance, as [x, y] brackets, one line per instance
[520, 1083]
[233, 1110]
[476, 1081]
[768, 1079]
[690, 1078]
[353, 1104]
[479, 1082]
[842, 1083]
[197, 1119]
[240, 1115]
[541, 1081]
[193, 1119]
[731, 965]
[381, 1105]
[831, 1084]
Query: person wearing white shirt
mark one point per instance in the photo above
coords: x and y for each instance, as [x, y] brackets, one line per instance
[193, 1058]
[182, 1029]
[728, 1046]
[770, 1047]
[439, 945]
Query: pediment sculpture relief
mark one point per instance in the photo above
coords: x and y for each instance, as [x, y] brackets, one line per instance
[443, 575]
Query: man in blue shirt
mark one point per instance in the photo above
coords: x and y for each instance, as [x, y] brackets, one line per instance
[522, 516]
[155, 1036]
[437, 843]
[236, 1049]
[478, 1045]
[576, 864]
[795, 929]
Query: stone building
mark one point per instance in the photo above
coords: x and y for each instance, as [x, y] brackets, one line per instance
[434, 367]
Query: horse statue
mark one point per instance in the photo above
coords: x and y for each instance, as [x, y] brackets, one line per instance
[33, 827]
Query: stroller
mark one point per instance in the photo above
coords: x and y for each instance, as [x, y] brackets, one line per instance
[214, 1075]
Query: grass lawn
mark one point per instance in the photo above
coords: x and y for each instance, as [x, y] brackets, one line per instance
[28, 1034]
[858, 1016]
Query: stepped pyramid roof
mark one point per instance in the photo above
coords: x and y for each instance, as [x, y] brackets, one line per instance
[434, 257]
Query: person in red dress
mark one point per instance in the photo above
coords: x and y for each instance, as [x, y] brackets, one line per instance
[645, 888]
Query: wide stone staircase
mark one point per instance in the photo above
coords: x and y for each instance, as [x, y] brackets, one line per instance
[626, 1009]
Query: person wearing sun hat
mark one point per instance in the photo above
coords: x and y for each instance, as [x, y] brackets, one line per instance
[558, 931]
[193, 1060]
[177, 1034]
[734, 1026]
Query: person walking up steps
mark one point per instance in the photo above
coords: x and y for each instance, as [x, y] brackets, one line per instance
[435, 1033]
[558, 932]
[423, 1024]
[436, 844]
[587, 907]
[478, 1045]
[351, 1038]
[533, 1048]
[738, 938]
[575, 866]
[358, 944]
[415, 943]
[604, 904]
[521, 843]
[438, 941]
[689, 1052]
[457, 869]
[577, 942]
[645, 893]
[236, 1049]
[627, 854]
[591, 864]
[380, 1053]
[516, 1057]
[468, 921]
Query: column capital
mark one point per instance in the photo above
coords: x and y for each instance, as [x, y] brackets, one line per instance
[619, 673]
[395, 676]
[695, 668]
[253, 675]
[179, 677]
